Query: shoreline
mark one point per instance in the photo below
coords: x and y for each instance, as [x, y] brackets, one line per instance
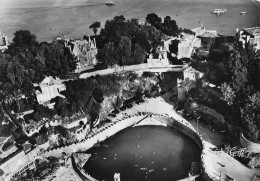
[48, 23]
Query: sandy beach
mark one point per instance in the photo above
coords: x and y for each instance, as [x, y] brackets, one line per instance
[49, 19]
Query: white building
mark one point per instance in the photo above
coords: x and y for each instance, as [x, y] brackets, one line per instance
[204, 40]
[3, 42]
[185, 46]
[192, 74]
[161, 61]
[250, 36]
[50, 88]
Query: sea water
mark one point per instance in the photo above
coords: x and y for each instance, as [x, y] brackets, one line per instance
[49, 19]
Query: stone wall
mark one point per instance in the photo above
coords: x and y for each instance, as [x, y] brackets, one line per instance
[93, 138]
[213, 113]
[251, 146]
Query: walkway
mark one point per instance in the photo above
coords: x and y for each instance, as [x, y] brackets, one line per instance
[140, 67]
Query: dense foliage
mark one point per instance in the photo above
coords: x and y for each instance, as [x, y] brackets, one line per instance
[82, 94]
[126, 42]
[239, 82]
[26, 62]
[95, 27]
[168, 26]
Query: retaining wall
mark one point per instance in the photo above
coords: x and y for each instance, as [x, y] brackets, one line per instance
[212, 112]
[91, 140]
[251, 146]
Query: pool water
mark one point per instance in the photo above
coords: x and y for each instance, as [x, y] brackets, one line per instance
[144, 153]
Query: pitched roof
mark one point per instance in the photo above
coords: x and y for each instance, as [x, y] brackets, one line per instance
[50, 81]
[255, 31]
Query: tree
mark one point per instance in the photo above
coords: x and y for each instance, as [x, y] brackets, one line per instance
[154, 20]
[250, 115]
[238, 67]
[124, 51]
[95, 27]
[173, 47]
[120, 18]
[58, 61]
[228, 93]
[121, 41]
[170, 26]
[24, 38]
[139, 54]
[107, 55]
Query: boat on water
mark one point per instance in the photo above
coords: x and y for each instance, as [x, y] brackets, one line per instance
[110, 3]
[219, 11]
[243, 13]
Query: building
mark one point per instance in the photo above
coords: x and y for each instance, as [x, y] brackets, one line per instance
[158, 59]
[204, 40]
[200, 43]
[250, 36]
[84, 50]
[3, 42]
[192, 74]
[185, 46]
[50, 88]
[27, 147]
[181, 91]
[117, 177]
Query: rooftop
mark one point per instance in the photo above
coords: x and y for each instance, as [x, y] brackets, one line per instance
[191, 69]
[202, 32]
[255, 31]
[51, 81]
[185, 46]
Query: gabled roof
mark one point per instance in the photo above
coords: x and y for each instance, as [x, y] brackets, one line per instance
[51, 81]
[255, 31]
[191, 69]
